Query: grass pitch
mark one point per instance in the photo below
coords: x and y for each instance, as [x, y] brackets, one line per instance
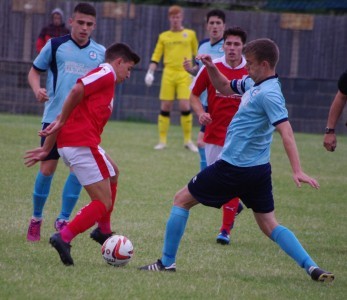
[252, 267]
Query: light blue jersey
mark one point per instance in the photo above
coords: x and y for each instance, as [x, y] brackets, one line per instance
[65, 62]
[216, 51]
[249, 134]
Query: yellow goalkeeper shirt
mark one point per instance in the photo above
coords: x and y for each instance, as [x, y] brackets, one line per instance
[175, 46]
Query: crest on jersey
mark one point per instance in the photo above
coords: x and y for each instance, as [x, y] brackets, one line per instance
[220, 50]
[185, 34]
[92, 55]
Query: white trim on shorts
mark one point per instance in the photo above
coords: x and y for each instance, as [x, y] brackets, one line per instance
[212, 153]
[90, 165]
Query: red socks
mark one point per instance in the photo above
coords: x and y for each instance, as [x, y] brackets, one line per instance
[94, 212]
[84, 220]
[105, 222]
[229, 212]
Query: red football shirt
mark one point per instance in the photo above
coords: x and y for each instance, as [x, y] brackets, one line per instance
[221, 108]
[86, 122]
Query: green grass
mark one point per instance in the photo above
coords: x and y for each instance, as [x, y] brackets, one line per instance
[252, 267]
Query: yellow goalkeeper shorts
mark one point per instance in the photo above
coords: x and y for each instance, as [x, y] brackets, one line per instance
[175, 85]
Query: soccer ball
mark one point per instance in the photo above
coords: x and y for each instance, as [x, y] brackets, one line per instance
[117, 250]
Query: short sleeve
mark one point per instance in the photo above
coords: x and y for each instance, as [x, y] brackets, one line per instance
[44, 58]
[342, 83]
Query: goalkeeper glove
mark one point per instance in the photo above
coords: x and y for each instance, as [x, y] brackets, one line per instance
[149, 78]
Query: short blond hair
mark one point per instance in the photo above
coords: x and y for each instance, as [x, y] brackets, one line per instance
[175, 9]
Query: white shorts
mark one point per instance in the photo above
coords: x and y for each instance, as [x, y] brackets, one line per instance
[90, 165]
[212, 153]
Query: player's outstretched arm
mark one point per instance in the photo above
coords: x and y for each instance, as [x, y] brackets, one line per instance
[52, 128]
[286, 132]
[33, 156]
[218, 80]
[75, 96]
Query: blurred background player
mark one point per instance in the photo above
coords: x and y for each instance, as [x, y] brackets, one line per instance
[65, 59]
[174, 45]
[335, 112]
[215, 26]
[77, 131]
[221, 110]
[55, 29]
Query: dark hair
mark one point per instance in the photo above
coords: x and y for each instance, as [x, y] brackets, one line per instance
[85, 8]
[263, 50]
[215, 13]
[122, 50]
[238, 31]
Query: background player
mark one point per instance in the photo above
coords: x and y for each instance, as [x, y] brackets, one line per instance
[221, 110]
[174, 45]
[215, 26]
[78, 134]
[65, 59]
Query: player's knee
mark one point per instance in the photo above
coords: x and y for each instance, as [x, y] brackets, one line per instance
[48, 167]
[184, 199]
[266, 225]
[178, 199]
[47, 172]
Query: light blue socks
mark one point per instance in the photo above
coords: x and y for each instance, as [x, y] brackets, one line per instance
[175, 227]
[203, 163]
[41, 190]
[71, 193]
[290, 245]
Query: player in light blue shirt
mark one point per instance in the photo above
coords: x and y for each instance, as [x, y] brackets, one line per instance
[215, 25]
[264, 105]
[65, 59]
[65, 62]
[248, 176]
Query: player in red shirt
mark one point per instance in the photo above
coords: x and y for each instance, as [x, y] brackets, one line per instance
[221, 110]
[77, 131]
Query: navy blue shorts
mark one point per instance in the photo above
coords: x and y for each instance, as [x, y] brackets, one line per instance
[54, 152]
[220, 182]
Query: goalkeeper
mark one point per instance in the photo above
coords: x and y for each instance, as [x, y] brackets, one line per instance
[174, 45]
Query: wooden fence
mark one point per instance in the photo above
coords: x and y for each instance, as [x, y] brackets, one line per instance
[313, 54]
